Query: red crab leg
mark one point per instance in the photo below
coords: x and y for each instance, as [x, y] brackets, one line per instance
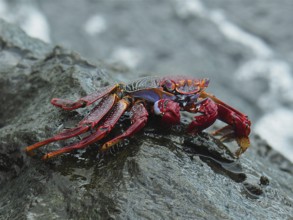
[83, 126]
[209, 111]
[84, 101]
[108, 124]
[99, 111]
[138, 121]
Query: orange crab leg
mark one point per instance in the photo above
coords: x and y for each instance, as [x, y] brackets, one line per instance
[138, 121]
[84, 101]
[111, 119]
[88, 122]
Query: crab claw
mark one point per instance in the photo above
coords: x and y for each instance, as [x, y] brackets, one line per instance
[242, 126]
[209, 113]
[239, 124]
[169, 110]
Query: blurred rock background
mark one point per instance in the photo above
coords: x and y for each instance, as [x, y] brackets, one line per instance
[244, 47]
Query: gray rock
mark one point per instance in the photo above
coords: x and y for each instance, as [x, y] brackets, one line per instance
[158, 174]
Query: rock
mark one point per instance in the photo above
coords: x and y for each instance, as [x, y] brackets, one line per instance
[157, 174]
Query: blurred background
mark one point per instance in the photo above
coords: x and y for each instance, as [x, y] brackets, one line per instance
[244, 47]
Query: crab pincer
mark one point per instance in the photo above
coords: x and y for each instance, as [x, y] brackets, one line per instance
[238, 124]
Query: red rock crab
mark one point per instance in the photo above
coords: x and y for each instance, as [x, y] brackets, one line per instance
[162, 96]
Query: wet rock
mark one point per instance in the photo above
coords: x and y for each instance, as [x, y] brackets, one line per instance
[157, 174]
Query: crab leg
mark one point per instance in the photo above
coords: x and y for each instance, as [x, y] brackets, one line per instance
[88, 122]
[109, 122]
[139, 119]
[99, 111]
[84, 101]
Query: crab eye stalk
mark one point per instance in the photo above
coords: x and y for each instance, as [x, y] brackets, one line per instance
[204, 82]
[169, 85]
[168, 110]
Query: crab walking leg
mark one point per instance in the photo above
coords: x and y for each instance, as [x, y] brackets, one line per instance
[68, 133]
[99, 111]
[109, 122]
[138, 121]
[84, 101]
[88, 122]
[209, 111]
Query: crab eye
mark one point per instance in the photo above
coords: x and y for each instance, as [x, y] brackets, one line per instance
[169, 85]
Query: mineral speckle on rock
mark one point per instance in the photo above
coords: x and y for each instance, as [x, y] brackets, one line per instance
[159, 174]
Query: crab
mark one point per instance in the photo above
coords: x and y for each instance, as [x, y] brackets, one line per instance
[161, 96]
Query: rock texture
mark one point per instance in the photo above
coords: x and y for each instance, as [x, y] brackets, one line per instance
[156, 175]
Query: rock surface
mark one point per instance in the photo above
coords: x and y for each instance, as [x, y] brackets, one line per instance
[159, 175]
